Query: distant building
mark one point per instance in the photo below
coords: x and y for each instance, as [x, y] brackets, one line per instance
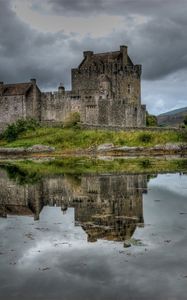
[21, 100]
[106, 91]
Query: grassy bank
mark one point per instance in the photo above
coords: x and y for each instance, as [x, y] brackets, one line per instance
[66, 139]
[31, 171]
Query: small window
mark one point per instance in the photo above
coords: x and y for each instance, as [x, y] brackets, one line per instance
[129, 89]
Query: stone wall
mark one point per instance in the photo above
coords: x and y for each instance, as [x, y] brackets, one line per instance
[19, 199]
[109, 86]
[123, 128]
[57, 106]
[20, 106]
[33, 103]
[12, 108]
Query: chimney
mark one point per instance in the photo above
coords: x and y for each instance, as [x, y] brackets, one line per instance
[33, 80]
[61, 89]
[124, 52]
[87, 53]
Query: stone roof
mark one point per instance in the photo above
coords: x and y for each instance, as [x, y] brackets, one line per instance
[102, 58]
[15, 89]
[106, 57]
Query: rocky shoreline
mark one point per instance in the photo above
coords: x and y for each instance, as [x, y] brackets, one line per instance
[30, 150]
[104, 149]
[167, 149]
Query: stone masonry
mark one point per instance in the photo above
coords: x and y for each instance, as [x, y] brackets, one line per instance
[106, 91]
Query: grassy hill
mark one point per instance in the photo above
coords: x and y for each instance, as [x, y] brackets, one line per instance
[173, 117]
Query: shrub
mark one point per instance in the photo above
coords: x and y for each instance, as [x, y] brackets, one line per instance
[145, 137]
[151, 120]
[185, 121]
[183, 136]
[13, 130]
[20, 175]
[72, 121]
[145, 163]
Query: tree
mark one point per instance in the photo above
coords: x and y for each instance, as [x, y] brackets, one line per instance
[185, 120]
[151, 120]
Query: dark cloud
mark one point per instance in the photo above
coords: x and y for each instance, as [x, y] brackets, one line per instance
[119, 7]
[159, 43]
[26, 53]
[154, 30]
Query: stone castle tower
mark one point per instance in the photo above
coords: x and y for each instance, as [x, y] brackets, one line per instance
[109, 86]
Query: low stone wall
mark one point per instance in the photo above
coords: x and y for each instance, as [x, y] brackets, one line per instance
[120, 128]
[103, 127]
[51, 124]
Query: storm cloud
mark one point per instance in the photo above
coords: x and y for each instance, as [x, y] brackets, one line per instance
[26, 53]
[155, 32]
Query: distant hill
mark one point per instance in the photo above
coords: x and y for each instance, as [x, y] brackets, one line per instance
[173, 117]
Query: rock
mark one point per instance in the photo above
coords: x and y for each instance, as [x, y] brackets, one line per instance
[127, 244]
[17, 150]
[22, 150]
[105, 147]
[172, 147]
[40, 148]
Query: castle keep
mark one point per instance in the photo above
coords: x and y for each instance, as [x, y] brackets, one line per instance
[106, 91]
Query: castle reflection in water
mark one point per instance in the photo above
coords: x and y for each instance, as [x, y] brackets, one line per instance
[107, 207]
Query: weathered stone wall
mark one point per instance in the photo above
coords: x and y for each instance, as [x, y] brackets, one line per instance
[112, 113]
[57, 106]
[110, 91]
[123, 128]
[33, 103]
[14, 107]
[19, 199]
[11, 108]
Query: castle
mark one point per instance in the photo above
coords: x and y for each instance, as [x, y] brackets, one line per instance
[106, 206]
[106, 91]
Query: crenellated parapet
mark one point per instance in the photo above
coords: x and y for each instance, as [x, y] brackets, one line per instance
[57, 106]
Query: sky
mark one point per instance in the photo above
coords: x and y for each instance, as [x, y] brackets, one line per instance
[45, 39]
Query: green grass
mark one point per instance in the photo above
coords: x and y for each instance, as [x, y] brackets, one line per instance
[65, 139]
[27, 171]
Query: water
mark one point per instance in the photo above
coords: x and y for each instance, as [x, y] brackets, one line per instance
[66, 237]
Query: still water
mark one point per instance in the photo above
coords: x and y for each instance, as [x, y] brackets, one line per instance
[94, 237]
